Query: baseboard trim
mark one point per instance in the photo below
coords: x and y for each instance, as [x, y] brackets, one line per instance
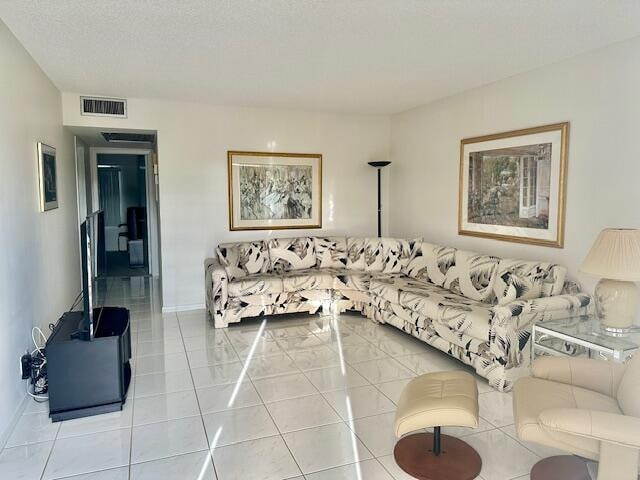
[182, 308]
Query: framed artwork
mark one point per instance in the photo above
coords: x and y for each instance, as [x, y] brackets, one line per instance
[512, 185]
[47, 176]
[269, 191]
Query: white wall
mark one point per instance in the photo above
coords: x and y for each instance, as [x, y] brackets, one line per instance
[598, 93]
[193, 141]
[40, 274]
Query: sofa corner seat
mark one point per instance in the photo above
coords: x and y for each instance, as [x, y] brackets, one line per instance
[476, 308]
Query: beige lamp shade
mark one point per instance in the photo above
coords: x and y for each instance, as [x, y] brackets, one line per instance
[615, 255]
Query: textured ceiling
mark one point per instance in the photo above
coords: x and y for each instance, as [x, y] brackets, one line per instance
[374, 56]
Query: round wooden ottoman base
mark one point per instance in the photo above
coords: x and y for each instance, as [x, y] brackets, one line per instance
[562, 467]
[457, 461]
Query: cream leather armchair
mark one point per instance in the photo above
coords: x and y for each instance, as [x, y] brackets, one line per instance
[590, 408]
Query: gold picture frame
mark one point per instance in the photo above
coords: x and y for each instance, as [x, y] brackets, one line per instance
[274, 190]
[512, 185]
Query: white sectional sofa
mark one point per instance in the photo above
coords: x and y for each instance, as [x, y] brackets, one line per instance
[477, 308]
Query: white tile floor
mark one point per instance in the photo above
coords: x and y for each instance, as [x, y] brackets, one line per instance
[299, 397]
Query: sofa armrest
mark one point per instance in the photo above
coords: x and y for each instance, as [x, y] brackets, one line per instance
[603, 426]
[597, 375]
[557, 306]
[211, 262]
[511, 323]
[216, 287]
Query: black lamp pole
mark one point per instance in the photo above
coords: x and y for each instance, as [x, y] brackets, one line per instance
[379, 165]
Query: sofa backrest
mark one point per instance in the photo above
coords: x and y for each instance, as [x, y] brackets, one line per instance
[526, 280]
[240, 259]
[555, 282]
[388, 255]
[472, 275]
[364, 254]
[476, 276]
[485, 277]
[289, 254]
[430, 263]
[397, 253]
[331, 252]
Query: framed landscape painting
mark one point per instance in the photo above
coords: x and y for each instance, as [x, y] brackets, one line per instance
[512, 185]
[269, 191]
[47, 177]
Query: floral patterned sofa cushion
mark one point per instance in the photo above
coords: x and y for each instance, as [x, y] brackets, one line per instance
[289, 254]
[355, 254]
[351, 280]
[243, 258]
[438, 304]
[397, 253]
[473, 276]
[308, 279]
[256, 284]
[521, 280]
[364, 254]
[371, 254]
[331, 252]
[555, 281]
[431, 262]
[390, 289]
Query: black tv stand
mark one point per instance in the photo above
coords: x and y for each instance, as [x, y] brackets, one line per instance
[89, 377]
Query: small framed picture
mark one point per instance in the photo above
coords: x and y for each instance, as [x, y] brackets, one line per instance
[48, 178]
[270, 191]
[512, 185]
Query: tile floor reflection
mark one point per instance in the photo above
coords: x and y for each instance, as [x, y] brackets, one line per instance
[294, 397]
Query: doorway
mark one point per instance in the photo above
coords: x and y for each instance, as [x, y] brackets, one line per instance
[122, 195]
[120, 177]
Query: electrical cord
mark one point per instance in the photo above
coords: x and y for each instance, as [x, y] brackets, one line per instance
[40, 380]
[37, 398]
[35, 343]
[39, 360]
[75, 301]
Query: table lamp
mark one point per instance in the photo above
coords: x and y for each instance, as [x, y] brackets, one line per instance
[615, 258]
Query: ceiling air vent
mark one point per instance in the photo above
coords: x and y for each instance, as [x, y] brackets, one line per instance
[103, 107]
[124, 137]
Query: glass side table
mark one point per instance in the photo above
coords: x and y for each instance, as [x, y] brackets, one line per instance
[581, 335]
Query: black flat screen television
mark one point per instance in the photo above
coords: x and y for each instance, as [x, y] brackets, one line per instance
[93, 254]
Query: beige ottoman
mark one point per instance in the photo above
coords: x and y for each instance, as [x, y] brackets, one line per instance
[442, 399]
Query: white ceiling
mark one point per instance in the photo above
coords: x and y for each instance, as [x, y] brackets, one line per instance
[372, 56]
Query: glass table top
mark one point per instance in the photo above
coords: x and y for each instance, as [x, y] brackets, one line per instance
[588, 328]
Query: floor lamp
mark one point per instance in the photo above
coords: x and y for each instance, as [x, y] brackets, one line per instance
[379, 165]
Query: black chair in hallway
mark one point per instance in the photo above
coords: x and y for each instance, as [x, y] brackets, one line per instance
[135, 235]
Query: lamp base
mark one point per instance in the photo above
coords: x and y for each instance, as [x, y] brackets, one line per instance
[616, 304]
